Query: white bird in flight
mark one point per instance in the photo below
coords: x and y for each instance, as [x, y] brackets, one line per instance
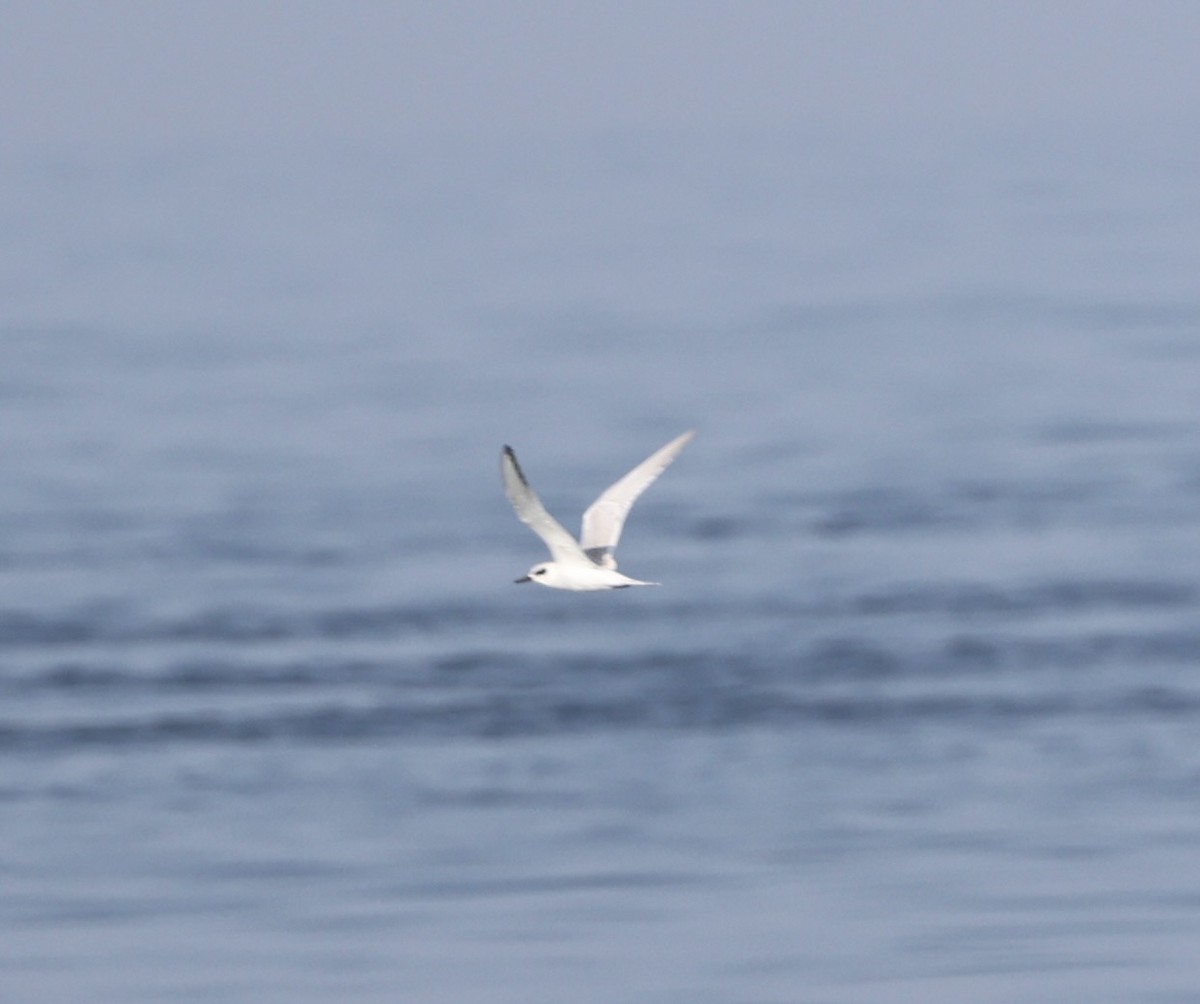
[587, 563]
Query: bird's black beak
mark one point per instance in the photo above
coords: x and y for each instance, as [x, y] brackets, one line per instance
[523, 578]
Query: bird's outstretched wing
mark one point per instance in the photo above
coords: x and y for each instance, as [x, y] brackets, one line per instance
[604, 518]
[531, 512]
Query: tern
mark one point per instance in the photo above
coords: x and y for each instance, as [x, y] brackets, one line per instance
[588, 563]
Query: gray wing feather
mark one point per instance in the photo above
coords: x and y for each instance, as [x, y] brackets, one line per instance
[604, 519]
[531, 512]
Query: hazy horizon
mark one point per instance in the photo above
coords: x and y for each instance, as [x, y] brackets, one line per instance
[137, 73]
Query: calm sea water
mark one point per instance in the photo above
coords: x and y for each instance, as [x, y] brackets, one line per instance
[914, 717]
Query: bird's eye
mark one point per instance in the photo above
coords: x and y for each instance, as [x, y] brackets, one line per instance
[540, 571]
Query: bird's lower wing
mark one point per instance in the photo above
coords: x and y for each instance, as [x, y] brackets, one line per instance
[604, 519]
[531, 512]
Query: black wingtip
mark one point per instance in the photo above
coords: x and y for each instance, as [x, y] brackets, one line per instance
[512, 459]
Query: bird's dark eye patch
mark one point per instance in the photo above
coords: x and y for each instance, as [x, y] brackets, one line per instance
[540, 571]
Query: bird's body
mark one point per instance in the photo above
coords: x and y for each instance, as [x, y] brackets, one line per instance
[588, 563]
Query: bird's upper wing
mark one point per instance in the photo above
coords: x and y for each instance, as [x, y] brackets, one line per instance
[605, 517]
[531, 512]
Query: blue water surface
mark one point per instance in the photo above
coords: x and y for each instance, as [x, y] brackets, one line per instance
[915, 715]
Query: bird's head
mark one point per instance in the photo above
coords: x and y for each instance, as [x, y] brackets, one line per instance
[541, 573]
